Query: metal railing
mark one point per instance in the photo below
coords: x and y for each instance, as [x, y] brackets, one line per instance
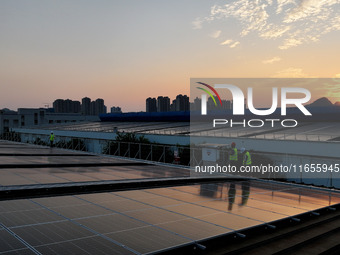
[61, 142]
[179, 155]
[268, 136]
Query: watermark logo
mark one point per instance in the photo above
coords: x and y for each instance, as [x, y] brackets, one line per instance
[238, 99]
[242, 102]
[204, 97]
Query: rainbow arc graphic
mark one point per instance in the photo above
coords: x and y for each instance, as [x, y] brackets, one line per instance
[209, 93]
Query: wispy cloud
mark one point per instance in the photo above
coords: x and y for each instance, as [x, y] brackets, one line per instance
[216, 34]
[331, 89]
[226, 42]
[230, 43]
[274, 31]
[310, 10]
[292, 22]
[290, 42]
[291, 72]
[197, 23]
[234, 44]
[271, 60]
[282, 3]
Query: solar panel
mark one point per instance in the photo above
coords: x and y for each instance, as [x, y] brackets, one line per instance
[21, 168]
[9, 242]
[87, 245]
[135, 221]
[26, 176]
[151, 220]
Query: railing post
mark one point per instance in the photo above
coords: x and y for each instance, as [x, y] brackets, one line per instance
[164, 153]
[151, 152]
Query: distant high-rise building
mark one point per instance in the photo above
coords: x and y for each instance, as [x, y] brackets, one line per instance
[182, 103]
[116, 109]
[226, 104]
[99, 106]
[163, 104]
[58, 106]
[197, 104]
[76, 107]
[86, 106]
[93, 108]
[66, 106]
[151, 105]
[173, 106]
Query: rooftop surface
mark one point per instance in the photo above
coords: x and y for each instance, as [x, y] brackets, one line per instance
[321, 131]
[138, 221]
[22, 164]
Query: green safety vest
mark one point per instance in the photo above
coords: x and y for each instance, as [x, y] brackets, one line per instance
[234, 156]
[248, 161]
[52, 137]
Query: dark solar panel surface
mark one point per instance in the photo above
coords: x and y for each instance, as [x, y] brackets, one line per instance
[150, 220]
[26, 176]
[24, 168]
[136, 221]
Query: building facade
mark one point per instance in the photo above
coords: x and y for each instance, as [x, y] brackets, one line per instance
[163, 104]
[86, 106]
[34, 117]
[116, 109]
[151, 105]
[66, 106]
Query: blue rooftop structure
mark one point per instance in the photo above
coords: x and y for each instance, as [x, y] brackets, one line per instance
[183, 116]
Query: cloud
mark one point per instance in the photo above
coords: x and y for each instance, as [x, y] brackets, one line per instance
[231, 43]
[234, 44]
[290, 42]
[226, 42]
[331, 88]
[274, 31]
[271, 60]
[283, 3]
[291, 22]
[306, 9]
[291, 72]
[197, 23]
[216, 34]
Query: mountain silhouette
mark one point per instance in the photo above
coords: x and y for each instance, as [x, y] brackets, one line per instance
[337, 103]
[321, 102]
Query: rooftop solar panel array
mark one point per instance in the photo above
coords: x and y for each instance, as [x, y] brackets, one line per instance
[151, 220]
[141, 221]
[27, 164]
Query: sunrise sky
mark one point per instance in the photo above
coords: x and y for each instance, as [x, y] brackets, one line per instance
[125, 51]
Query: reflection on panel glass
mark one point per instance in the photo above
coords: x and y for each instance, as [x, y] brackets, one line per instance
[149, 220]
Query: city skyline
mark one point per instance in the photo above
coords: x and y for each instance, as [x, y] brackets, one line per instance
[125, 52]
[85, 107]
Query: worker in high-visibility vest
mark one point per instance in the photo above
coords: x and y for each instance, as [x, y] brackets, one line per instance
[233, 155]
[246, 157]
[51, 139]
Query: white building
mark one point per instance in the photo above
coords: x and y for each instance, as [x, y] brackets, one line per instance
[34, 117]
